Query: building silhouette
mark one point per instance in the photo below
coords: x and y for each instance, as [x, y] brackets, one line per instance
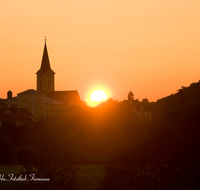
[45, 101]
[137, 108]
[9, 102]
[45, 75]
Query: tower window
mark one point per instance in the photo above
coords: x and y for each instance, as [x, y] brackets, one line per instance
[49, 85]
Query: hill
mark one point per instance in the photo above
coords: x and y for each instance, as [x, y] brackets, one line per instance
[185, 96]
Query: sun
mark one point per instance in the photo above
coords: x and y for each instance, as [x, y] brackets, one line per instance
[98, 96]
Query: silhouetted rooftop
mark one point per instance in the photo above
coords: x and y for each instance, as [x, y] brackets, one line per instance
[138, 106]
[15, 114]
[30, 91]
[45, 65]
[130, 93]
[52, 101]
[65, 96]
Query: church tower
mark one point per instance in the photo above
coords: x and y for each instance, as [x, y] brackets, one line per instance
[45, 75]
[130, 97]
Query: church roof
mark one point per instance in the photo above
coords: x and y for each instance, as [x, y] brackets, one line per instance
[130, 93]
[52, 101]
[30, 91]
[45, 65]
[15, 114]
[138, 106]
[65, 96]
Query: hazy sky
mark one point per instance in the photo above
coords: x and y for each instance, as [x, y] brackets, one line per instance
[149, 46]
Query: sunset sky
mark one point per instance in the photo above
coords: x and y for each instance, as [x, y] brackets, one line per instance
[149, 46]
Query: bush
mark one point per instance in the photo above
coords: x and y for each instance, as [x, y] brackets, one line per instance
[7, 149]
[26, 155]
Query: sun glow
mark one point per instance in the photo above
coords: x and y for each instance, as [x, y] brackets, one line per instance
[96, 98]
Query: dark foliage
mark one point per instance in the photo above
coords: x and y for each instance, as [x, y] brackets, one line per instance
[163, 154]
[149, 178]
[7, 149]
[59, 177]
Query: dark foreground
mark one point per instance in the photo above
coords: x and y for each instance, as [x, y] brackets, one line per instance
[108, 177]
[88, 176]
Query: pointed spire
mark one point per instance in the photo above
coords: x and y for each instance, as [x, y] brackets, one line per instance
[130, 93]
[45, 65]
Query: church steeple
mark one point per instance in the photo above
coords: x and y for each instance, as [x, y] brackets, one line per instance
[45, 65]
[45, 75]
[130, 97]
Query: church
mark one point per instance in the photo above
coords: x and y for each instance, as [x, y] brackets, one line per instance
[136, 108]
[45, 101]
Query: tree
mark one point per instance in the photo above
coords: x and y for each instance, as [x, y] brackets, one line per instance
[7, 149]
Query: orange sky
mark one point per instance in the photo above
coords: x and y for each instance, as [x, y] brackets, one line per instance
[151, 47]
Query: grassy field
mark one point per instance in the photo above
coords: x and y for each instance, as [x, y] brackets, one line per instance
[88, 176]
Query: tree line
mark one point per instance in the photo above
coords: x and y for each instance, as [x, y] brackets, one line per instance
[163, 154]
